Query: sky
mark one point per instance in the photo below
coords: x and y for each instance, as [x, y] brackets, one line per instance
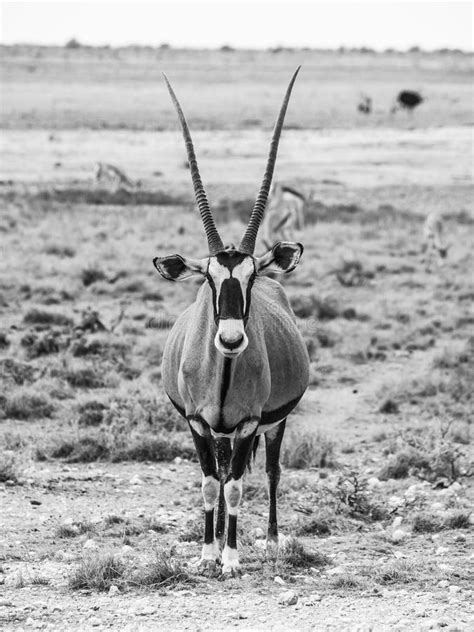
[244, 24]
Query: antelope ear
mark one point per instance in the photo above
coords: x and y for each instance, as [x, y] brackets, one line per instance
[283, 257]
[177, 268]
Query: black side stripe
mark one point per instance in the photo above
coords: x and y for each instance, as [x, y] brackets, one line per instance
[268, 417]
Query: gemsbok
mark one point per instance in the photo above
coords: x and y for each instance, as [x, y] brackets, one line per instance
[105, 172]
[434, 245]
[235, 364]
[284, 214]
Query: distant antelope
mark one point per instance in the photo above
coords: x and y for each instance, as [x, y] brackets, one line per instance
[284, 214]
[433, 239]
[365, 104]
[104, 171]
[234, 364]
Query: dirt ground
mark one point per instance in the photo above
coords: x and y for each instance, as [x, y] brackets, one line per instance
[376, 488]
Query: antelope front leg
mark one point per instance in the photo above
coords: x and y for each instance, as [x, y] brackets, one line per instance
[210, 492]
[273, 439]
[243, 442]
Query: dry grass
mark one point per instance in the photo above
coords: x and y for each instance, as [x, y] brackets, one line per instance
[98, 573]
[165, 569]
[309, 450]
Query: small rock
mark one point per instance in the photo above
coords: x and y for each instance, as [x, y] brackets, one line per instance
[178, 460]
[90, 544]
[373, 483]
[136, 480]
[258, 533]
[243, 615]
[455, 487]
[454, 589]
[278, 580]
[398, 536]
[442, 550]
[443, 583]
[387, 594]
[397, 522]
[95, 621]
[288, 598]
[312, 599]
[114, 590]
[460, 537]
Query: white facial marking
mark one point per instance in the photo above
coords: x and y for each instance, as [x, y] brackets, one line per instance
[231, 330]
[233, 495]
[210, 491]
[210, 552]
[230, 559]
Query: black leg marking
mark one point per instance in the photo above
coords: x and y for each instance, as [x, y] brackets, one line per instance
[223, 453]
[241, 452]
[205, 451]
[273, 439]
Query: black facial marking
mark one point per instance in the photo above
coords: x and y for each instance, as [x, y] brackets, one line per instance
[225, 384]
[284, 256]
[173, 266]
[231, 301]
[230, 258]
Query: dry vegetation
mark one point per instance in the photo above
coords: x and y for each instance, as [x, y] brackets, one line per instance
[97, 471]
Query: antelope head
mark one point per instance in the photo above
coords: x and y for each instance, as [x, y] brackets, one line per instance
[231, 271]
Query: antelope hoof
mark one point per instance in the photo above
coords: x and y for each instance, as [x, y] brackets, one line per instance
[209, 568]
[230, 563]
[229, 573]
[272, 549]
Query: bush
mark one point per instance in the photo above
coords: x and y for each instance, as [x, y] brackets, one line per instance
[98, 573]
[294, 554]
[35, 316]
[163, 570]
[72, 44]
[311, 450]
[27, 404]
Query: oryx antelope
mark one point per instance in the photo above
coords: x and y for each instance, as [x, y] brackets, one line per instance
[105, 172]
[284, 214]
[235, 364]
[434, 245]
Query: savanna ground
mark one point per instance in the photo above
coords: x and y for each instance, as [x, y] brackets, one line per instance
[100, 490]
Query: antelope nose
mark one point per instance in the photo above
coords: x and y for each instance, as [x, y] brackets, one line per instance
[232, 342]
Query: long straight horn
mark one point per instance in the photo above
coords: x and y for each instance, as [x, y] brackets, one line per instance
[213, 239]
[247, 244]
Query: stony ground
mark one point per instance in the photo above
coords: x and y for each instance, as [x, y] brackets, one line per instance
[100, 492]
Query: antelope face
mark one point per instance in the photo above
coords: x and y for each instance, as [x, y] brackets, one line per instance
[231, 275]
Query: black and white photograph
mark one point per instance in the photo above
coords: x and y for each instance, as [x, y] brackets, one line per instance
[236, 316]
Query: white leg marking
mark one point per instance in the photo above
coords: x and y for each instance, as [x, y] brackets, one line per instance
[230, 560]
[210, 552]
[210, 491]
[232, 495]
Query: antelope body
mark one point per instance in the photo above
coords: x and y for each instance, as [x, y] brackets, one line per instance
[234, 364]
[104, 171]
[284, 214]
[434, 244]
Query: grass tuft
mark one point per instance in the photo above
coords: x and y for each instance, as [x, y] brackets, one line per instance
[163, 570]
[26, 404]
[312, 450]
[35, 316]
[98, 573]
[293, 553]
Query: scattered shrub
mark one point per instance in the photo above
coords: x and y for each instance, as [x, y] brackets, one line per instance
[9, 469]
[60, 251]
[293, 553]
[163, 570]
[35, 316]
[92, 275]
[27, 404]
[311, 450]
[98, 573]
